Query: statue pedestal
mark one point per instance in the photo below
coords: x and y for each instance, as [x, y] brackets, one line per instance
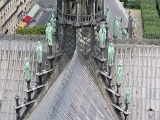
[17, 110]
[109, 71]
[39, 70]
[50, 49]
[28, 84]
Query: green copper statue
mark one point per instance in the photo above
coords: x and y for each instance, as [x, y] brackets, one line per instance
[119, 78]
[53, 16]
[39, 52]
[127, 96]
[27, 70]
[107, 15]
[134, 20]
[53, 24]
[124, 33]
[49, 34]
[102, 36]
[116, 27]
[110, 54]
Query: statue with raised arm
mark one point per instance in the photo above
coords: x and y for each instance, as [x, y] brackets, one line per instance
[39, 52]
[119, 78]
[27, 70]
[116, 27]
[124, 33]
[127, 96]
[110, 54]
[102, 36]
[49, 34]
[107, 15]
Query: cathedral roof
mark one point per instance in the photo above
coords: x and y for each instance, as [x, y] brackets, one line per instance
[116, 10]
[74, 95]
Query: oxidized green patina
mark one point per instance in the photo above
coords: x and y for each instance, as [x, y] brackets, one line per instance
[127, 96]
[39, 52]
[119, 78]
[124, 33]
[49, 34]
[107, 15]
[53, 24]
[116, 27]
[27, 70]
[110, 54]
[102, 36]
[53, 16]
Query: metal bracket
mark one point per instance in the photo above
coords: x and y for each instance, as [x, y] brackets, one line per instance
[54, 56]
[112, 91]
[121, 109]
[44, 72]
[100, 59]
[24, 104]
[34, 88]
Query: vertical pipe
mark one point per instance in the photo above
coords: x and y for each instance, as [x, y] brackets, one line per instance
[77, 9]
[28, 87]
[93, 10]
[17, 110]
[62, 9]
[40, 70]
[28, 84]
[109, 70]
[50, 54]
[118, 86]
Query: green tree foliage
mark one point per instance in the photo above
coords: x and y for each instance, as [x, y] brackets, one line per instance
[124, 1]
[150, 19]
[38, 30]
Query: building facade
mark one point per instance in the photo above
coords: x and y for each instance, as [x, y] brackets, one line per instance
[12, 13]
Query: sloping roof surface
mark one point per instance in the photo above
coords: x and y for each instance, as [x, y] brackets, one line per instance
[141, 75]
[76, 98]
[12, 80]
[33, 11]
[116, 10]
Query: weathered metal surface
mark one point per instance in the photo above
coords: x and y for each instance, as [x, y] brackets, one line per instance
[13, 50]
[141, 76]
[73, 96]
[69, 40]
[116, 10]
[85, 39]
